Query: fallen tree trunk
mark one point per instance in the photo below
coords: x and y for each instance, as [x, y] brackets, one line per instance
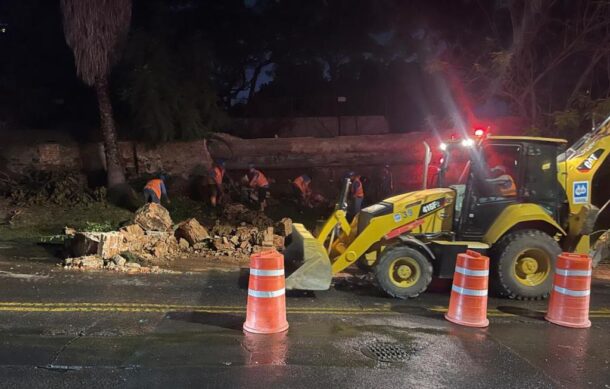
[290, 153]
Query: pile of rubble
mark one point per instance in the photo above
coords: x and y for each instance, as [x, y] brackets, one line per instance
[152, 240]
[239, 213]
[44, 187]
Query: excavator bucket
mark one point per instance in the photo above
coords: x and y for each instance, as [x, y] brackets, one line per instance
[306, 257]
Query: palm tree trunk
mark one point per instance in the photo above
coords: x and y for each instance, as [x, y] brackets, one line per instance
[114, 168]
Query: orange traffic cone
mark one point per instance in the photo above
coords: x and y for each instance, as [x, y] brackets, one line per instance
[266, 311]
[468, 302]
[569, 301]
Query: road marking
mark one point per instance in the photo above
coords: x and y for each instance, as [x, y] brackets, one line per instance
[58, 307]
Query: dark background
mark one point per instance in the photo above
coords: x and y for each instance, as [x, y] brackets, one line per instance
[189, 68]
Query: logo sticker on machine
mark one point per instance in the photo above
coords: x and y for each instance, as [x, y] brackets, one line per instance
[580, 192]
[591, 160]
[397, 217]
[431, 206]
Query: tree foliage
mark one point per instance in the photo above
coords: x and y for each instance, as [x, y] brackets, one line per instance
[165, 78]
[94, 29]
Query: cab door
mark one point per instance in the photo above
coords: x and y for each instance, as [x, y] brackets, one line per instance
[494, 184]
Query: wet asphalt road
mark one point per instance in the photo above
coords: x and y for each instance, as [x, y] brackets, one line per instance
[71, 329]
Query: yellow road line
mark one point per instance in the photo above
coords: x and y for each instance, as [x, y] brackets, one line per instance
[164, 308]
[177, 306]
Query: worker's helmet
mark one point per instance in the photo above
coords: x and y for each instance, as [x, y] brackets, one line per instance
[350, 174]
[498, 170]
[162, 177]
[306, 178]
[221, 162]
[250, 166]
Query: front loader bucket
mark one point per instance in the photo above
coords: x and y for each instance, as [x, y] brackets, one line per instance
[310, 260]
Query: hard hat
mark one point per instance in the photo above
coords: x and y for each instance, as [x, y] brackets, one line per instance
[250, 165]
[306, 178]
[162, 177]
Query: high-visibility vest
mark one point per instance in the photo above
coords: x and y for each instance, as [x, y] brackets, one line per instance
[217, 174]
[155, 186]
[357, 192]
[259, 180]
[300, 183]
[510, 190]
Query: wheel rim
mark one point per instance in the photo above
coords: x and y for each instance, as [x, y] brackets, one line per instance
[404, 272]
[532, 267]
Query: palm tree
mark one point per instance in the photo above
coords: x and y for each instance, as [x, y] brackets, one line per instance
[94, 30]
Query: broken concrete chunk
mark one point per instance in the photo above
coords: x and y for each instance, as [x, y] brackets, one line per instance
[278, 242]
[199, 246]
[153, 217]
[267, 238]
[110, 244]
[85, 243]
[183, 244]
[89, 262]
[191, 231]
[133, 265]
[132, 231]
[119, 260]
[284, 227]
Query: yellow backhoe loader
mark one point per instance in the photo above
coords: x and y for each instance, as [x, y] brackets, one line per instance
[523, 201]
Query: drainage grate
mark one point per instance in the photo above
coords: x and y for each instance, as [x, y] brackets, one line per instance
[388, 352]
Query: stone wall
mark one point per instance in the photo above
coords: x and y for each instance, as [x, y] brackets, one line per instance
[325, 159]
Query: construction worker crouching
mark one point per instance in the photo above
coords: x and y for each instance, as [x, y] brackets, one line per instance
[356, 194]
[155, 189]
[301, 187]
[217, 174]
[259, 182]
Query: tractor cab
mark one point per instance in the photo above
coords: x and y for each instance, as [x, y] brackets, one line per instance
[506, 170]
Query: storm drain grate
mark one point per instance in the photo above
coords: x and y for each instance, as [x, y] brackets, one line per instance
[388, 352]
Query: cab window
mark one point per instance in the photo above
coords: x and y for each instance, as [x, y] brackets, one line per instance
[498, 171]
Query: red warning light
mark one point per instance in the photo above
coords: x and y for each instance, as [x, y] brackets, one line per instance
[479, 132]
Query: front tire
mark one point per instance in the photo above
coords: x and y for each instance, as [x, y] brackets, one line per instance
[523, 263]
[403, 272]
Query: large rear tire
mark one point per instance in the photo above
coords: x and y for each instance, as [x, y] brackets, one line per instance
[523, 263]
[403, 272]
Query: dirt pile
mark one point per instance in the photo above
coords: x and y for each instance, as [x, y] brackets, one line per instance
[152, 241]
[238, 213]
[44, 187]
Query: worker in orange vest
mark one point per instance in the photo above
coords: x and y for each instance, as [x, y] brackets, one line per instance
[301, 187]
[217, 174]
[356, 194]
[503, 182]
[259, 182]
[155, 189]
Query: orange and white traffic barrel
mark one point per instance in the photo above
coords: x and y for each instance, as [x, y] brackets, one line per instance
[569, 301]
[266, 311]
[468, 302]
